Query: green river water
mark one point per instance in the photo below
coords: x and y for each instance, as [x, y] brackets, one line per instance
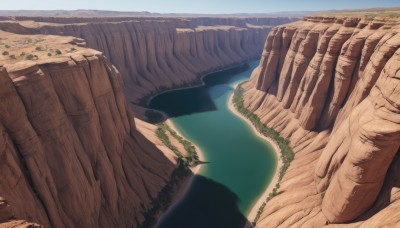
[241, 165]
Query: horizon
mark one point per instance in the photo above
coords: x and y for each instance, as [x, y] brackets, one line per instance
[204, 7]
[152, 12]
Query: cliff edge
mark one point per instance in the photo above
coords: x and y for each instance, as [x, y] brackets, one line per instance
[159, 54]
[330, 85]
[72, 153]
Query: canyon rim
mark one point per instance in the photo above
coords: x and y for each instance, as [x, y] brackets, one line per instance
[81, 147]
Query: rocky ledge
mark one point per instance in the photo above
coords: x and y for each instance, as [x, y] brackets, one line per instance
[331, 86]
[72, 152]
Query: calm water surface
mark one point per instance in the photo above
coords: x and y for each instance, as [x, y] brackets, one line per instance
[241, 165]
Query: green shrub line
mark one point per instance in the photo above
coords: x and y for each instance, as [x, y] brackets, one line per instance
[192, 159]
[287, 154]
[164, 197]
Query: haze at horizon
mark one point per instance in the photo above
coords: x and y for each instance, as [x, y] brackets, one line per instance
[204, 6]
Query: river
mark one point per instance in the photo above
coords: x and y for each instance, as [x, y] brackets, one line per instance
[241, 164]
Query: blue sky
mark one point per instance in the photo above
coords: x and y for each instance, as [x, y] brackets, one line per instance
[197, 6]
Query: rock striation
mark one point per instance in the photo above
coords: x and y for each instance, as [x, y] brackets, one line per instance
[72, 152]
[330, 85]
[157, 54]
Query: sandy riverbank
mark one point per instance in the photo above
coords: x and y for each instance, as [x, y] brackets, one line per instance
[199, 152]
[201, 82]
[251, 216]
[185, 184]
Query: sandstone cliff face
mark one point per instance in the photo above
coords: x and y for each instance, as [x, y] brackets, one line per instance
[178, 21]
[71, 152]
[331, 86]
[157, 54]
[73, 155]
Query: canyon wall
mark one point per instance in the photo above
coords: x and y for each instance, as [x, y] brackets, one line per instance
[332, 87]
[177, 21]
[157, 54]
[72, 152]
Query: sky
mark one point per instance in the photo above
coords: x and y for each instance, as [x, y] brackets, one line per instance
[197, 6]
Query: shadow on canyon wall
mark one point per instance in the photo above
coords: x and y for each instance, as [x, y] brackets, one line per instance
[216, 207]
[192, 100]
[385, 196]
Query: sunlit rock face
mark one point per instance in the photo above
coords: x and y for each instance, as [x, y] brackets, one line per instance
[72, 153]
[157, 54]
[330, 86]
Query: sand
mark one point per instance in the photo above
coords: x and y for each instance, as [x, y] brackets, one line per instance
[251, 216]
[199, 152]
[186, 183]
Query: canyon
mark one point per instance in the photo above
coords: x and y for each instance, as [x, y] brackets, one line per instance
[74, 92]
[329, 84]
[74, 152]
[157, 54]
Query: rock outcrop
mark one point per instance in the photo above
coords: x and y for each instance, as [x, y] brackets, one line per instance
[330, 85]
[72, 152]
[157, 54]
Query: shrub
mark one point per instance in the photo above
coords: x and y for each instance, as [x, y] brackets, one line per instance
[287, 154]
[5, 53]
[58, 52]
[38, 40]
[165, 196]
[192, 159]
[7, 46]
[31, 57]
[39, 48]
[12, 57]
[49, 54]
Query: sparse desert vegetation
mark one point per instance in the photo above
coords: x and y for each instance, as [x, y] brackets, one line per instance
[286, 151]
[191, 159]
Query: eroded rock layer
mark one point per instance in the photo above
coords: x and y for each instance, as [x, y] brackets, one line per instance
[72, 153]
[332, 87]
[157, 54]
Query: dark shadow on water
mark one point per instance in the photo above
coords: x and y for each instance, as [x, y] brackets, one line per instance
[192, 100]
[203, 162]
[206, 204]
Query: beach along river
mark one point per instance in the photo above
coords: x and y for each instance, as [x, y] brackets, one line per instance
[241, 164]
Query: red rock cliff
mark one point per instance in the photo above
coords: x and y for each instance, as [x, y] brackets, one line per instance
[73, 155]
[157, 54]
[331, 86]
[71, 152]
